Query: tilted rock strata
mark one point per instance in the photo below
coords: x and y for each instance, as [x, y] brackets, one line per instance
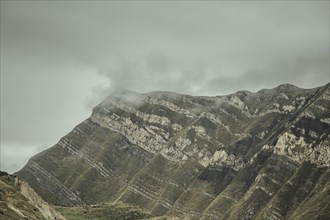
[242, 156]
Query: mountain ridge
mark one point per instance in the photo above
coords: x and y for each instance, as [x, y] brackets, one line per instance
[227, 157]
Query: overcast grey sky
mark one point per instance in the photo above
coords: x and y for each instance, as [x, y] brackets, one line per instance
[58, 59]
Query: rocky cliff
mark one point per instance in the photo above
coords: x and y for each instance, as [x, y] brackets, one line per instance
[19, 201]
[262, 155]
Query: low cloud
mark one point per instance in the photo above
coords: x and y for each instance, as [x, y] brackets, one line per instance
[161, 72]
[305, 71]
[57, 58]
[155, 72]
[15, 155]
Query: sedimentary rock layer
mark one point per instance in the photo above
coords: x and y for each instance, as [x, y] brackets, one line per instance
[262, 155]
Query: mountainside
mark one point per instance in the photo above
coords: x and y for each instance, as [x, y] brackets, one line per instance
[19, 201]
[262, 155]
[104, 211]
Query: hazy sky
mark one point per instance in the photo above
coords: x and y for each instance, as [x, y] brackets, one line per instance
[58, 59]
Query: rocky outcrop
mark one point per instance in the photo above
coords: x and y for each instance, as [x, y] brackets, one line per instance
[19, 201]
[262, 155]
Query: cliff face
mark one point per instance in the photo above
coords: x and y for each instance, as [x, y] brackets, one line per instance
[261, 155]
[19, 201]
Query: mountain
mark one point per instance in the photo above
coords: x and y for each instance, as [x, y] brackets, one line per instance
[105, 211]
[19, 201]
[262, 155]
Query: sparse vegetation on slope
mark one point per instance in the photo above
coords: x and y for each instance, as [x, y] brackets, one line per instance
[262, 155]
[19, 201]
[104, 211]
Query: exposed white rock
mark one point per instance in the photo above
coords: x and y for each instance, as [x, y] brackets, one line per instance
[187, 100]
[150, 130]
[205, 161]
[262, 135]
[137, 135]
[326, 96]
[325, 120]
[176, 127]
[151, 138]
[308, 114]
[289, 108]
[238, 102]
[269, 111]
[256, 111]
[300, 98]
[200, 154]
[200, 130]
[171, 153]
[313, 134]
[276, 105]
[301, 102]
[275, 215]
[266, 147]
[151, 118]
[215, 120]
[12, 207]
[321, 108]
[182, 142]
[221, 158]
[47, 211]
[283, 96]
[298, 150]
[268, 192]
[154, 138]
[171, 106]
[212, 196]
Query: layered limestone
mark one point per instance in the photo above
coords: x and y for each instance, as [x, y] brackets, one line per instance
[298, 150]
[47, 181]
[137, 135]
[222, 158]
[171, 106]
[289, 108]
[72, 149]
[243, 156]
[151, 118]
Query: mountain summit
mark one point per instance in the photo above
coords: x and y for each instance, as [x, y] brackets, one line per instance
[262, 155]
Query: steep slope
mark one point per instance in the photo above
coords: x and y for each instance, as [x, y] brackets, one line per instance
[104, 211]
[19, 201]
[261, 155]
